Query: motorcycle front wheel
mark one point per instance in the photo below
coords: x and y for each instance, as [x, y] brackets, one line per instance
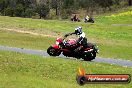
[89, 56]
[53, 52]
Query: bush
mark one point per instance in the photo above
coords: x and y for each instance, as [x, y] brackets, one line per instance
[19, 11]
[64, 14]
[9, 11]
[36, 16]
[52, 14]
[42, 10]
[29, 13]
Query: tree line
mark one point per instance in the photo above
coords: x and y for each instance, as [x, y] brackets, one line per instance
[58, 8]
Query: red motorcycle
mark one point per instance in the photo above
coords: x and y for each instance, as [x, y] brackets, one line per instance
[67, 48]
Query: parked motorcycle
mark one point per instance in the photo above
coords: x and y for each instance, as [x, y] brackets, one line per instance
[67, 47]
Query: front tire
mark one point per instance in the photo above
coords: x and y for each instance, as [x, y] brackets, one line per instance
[53, 52]
[89, 56]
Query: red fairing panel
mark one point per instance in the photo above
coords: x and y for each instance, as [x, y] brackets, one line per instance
[55, 46]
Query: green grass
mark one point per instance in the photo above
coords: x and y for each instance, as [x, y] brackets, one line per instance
[30, 71]
[114, 41]
[24, 40]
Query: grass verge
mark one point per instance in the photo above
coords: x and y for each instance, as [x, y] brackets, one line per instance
[29, 71]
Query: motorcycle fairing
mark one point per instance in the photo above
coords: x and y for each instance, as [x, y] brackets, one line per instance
[55, 46]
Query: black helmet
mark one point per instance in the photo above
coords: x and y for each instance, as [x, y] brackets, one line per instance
[78, 30]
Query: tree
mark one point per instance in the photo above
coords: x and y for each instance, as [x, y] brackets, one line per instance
[29, 13]
[27, 8]
[129, 2]
[2, 6]
[54, 5]
[42, 10]
[19, 11]
[105, 3]
[9, 11]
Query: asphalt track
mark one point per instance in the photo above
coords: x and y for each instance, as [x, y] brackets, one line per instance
[44, 53]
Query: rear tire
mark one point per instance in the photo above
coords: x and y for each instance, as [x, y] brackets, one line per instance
[92, 21]
[53, 52]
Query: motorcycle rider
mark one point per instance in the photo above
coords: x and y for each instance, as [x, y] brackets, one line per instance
[82, 40]
[87, 18]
